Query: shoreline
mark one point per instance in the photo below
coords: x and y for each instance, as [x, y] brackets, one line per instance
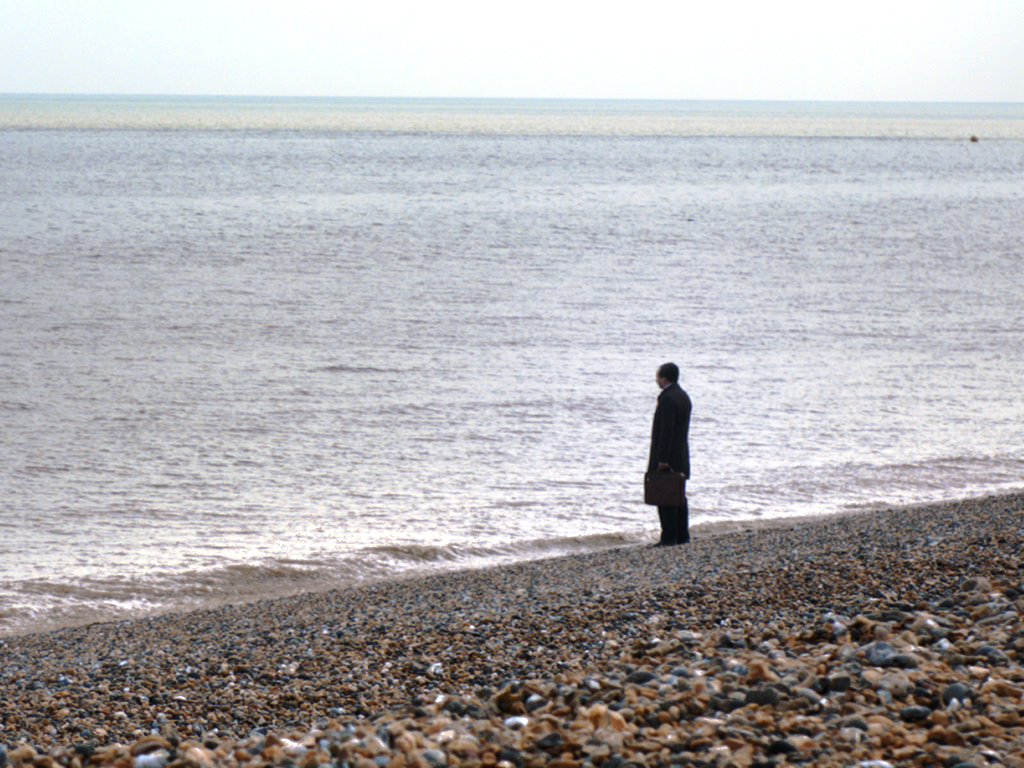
[137, 606]
[772, 643]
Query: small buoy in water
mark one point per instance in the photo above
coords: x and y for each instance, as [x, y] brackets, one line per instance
[974, 138]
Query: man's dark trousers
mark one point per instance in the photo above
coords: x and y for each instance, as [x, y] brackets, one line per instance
[675, 524]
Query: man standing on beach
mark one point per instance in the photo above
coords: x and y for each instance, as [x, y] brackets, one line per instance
[670, 450]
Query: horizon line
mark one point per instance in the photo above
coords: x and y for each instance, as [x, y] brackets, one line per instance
[100, 94]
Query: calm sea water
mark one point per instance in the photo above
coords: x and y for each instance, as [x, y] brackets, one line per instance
[255, 347]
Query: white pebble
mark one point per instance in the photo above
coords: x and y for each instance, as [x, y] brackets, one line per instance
[156, 759]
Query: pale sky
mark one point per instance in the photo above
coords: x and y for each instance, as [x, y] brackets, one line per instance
[897, 50]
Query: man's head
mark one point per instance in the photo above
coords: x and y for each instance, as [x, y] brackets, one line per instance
[668, 373]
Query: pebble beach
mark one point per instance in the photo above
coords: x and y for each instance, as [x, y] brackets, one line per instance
[888, 638]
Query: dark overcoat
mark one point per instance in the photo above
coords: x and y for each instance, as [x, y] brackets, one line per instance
[669, 435]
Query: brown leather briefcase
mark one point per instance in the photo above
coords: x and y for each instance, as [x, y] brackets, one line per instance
[664, 489]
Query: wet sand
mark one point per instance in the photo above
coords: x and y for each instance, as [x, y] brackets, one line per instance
[895, 636]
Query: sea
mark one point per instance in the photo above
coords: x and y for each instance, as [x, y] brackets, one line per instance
[255, 347]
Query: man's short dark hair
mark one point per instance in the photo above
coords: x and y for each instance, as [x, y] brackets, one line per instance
[670, 372]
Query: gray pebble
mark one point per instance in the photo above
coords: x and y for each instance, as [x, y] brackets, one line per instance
[763, 695]
[551, 740]
[534, 702]
[839, 682]
[855, 722]
[807, 693]
[782, 747]
[880, 654]
[957, 691]
[641, 677]
[906, 661]
[913, 713]
[993, 654]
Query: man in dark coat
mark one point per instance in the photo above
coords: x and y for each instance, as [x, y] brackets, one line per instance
[670, 450]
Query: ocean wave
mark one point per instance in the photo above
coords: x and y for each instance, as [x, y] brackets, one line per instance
[342, 368]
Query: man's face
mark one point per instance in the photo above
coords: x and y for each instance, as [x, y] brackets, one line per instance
[662, 383]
